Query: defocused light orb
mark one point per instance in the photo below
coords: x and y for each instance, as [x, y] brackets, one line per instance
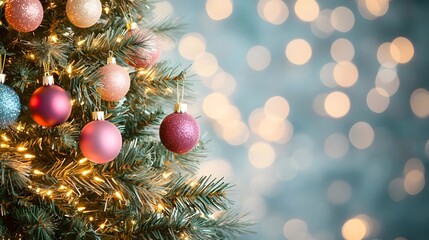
[342, 19]
[261, 155]
[224, 83]
[298, 51]
[295, 229]
[354, 229]
[236, 134]
[306, 10]
[402, 50]
[336, 145]
[163, 9]
[319, 105]
[206, 65]
[321, 26]
[346, 74]
[361, 135]
[192, 45]
[339, 192]
[377, 8]
[217, 168]
[216, 105]
[342, 50]
[273, 11]
[384, 56]
[271, 129]
[277, 107]
[414, 182]
[327, 75]
[396, 190]
[413, 164]
[337, 104]
[388, 80]
[258, 58]
[229, 116]
[255, 119]
[419, 102]
[219, 9]
[377, 100]
[363, 10]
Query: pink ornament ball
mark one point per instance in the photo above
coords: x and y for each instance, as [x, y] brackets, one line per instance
[24, 15]
[115, 82]
[179, 132]
[147, 56]
[100, 141]
[50, 106]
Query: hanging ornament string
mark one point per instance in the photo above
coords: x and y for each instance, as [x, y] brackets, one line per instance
[47, 66]
[180, 94]
[2, 62]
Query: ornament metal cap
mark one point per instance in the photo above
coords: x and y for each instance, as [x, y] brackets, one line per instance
[98, 115]
[48, 80]
[132, 26]
[180, 108]
[2, 77]
[111, 60]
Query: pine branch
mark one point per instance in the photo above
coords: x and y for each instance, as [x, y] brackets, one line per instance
[170, 27]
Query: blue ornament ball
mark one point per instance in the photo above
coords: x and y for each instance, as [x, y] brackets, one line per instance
[10, 106]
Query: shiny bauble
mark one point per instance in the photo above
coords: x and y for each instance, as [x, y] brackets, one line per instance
[144, 57]
[10, 106]
[115, 82]
[24, 15]
[179, 132]
[50, 106]
[83, 13]
[100, 141]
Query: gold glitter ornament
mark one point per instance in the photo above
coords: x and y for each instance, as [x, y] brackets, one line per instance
[83, 13]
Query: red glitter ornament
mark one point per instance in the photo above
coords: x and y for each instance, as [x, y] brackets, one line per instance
[24, 15]
[100, 141]
[50, 105]
[179, 132]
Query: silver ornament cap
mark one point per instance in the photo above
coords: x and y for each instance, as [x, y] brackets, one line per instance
[2, 77]
[111, 60]
[98, 115]
[48, 80]
[180, 108]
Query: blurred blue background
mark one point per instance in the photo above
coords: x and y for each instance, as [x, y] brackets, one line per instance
[317, 111]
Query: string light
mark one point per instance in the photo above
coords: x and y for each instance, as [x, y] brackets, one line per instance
[69, 193]
[160, 207]
[53, 38]
[29, 156]
[167, 174]
[97, 179]
[86, 172]
[4, 145]
[32, 57]
[79, 43]
[5, 138]
[21, 149]
[83, 160]
[107, 10]
[80, 209]
[37, 172]
[118, 195]
[69, 69]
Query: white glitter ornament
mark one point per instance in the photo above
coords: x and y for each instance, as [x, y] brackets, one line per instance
[83, 13]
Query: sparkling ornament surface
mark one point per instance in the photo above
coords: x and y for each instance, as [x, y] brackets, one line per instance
[83, 13]
[179, 132]
[24, 15]
[100, 141]
[115, 82]
[10, 106]
[50, 106]
[147, 56]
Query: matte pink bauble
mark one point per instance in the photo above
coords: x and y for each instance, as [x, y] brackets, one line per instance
[50, 106]
[115, 82]
[179, 132]
[24, 15]
[100, 141]
[147, 56]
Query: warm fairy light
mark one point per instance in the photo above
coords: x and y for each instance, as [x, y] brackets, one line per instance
[97, 179]
[298, 51]
[143, 72]
[38, 190]
[192, 46]
[80, 42]
[258, 58]
[342, 50]
[402, 50]
[167, 174]
[83, 160]
[80, 209]
[69, 69]
[295, 229]
[133, 222]
[118, 39]
[106, 10]
[91, 219]
[337, 104]
[29, 156]
[86, 172]
[419, 102]
[5, 138]
[342, 19]
[307, 10]
[219, 9]
[261, 155]
[62, 187]
[1, 3]
[354, 229]
[160, 207]
[336, 145]
[20, 128]
[53, 38]
[3, 145]
[119, 195]
[273, 11]
[361, 135]
[384, 55]
[103, 225]
[206, 65]
[345, 74]
[69, 193]
[21, 149]
[37, 172]
[194, 183]
[32, 57]
[49, 193]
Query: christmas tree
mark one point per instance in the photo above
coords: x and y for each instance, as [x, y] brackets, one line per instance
[81, 107]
